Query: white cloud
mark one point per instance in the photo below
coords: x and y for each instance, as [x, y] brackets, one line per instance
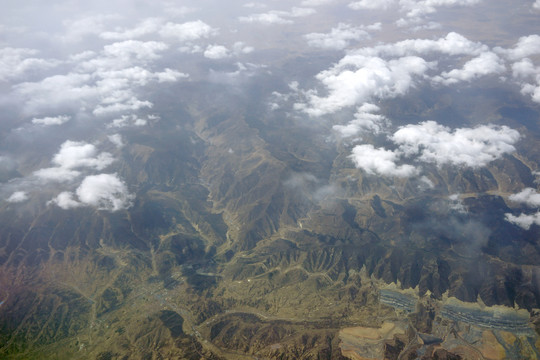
[77, 154]
[533, 90]
[425, 183]
[170, 75]
[338, 38]
[380, 161]
[371, 4]
[16, 62]
[17, 197]
[430, 142]
[132, 104]
[531, 198]
[135, 49]
[127, 120]
[452, 44]
[277, 16]
[431, 25]
[416, 9]
[234, 78]
[74, 155]
[526, 46]
[105, 82]
[58, 91]
[536, 4]
[57, 174]
[474, 147]
[485, 64]
[116, 139]
[265, 19]
[364, 121]
[147, 26]
[189, 31]
[105, 192]
[523, 220]
[390, 70]
[65, 201]
[240, 48]
[172, 8]
[357, 78]
[527, 196]
[456, 203]
[528, 76]
[216, 52]
[315, 2]
[524, 69]
[136, 75]
[48, 121]
[254, 5]
[76, 30]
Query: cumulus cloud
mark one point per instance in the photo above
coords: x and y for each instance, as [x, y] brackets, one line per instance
[338, 38]
[65, 201]
[74, 155]
[390, 70]
[147, 26]
[531, 198]
[431, 25]
[139, 50]
[524, 69]
[103, 191]
[17, 197]
[254, 5]
[430, 142]
[236, 77]
[57, 174]
[524, 221]
[357, 78]
[371, 4]
[315, 2]
[277, 16]
[130, 104]
[364, 121]
[216, 52]
[17, 62]
[456, 203]
[425, 183]
[452, 44]
[528, 196]
[528, 77]
[117, 140]
[240, 48]
[380, 161]
[169, 75]
[473, 147]
[57, 91]
[105, 82]
[536, 4]
[172, 8]
[485, 64]
[416, 9]
[77, 29]
[49, 121]
[189, 31]
[526, 46]
[127, 120]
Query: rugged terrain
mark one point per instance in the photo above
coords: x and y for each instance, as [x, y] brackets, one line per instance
[251, 237]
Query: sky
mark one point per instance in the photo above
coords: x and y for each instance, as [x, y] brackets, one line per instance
[75, 79]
